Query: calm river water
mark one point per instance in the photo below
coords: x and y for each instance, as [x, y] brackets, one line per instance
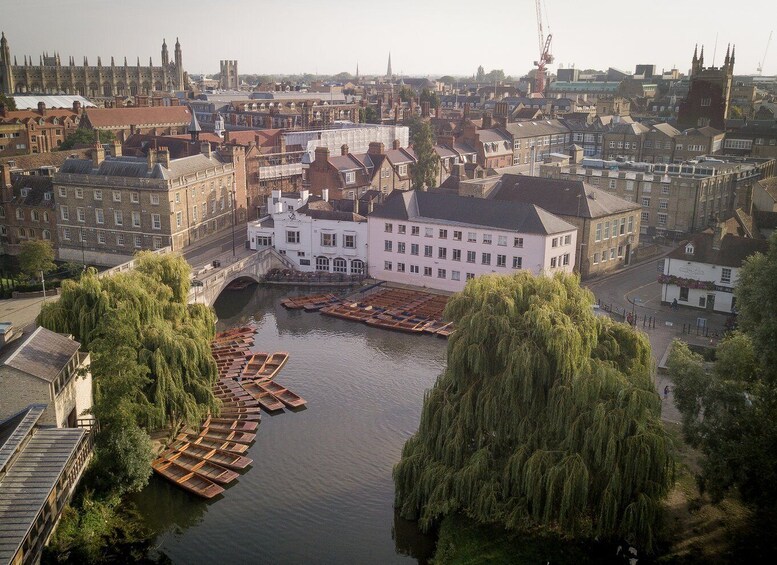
[320, 488]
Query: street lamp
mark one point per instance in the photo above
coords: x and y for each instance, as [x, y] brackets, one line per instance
[232, 196]
[83, 251]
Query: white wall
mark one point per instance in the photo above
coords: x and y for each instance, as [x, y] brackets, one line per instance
[701, 272]
[535, 254]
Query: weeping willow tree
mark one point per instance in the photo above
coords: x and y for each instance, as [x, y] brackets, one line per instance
[150, 352]
[546, 416]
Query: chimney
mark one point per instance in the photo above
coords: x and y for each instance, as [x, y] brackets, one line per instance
[325, 194]
[174, 101]
[151, 158]
[98, 152]
[5, 176]
[376, 148]
[205, 149]
[425, 108]
[487, 120]
[344, 149]
[77, 107]
[42, 108]
[395, 144]
[116, 147]
[717, 237]
[466, 110]
[437, 112]
[322, 155]
[163, 157]
[118, 101]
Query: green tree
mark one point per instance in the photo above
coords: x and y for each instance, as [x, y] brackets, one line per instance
[497, 75]
[36, 255]
[85, 136]
[8, 101]
[545, 416]
[729, 408]
[369, 115]
[431, 97]
[427, 166]
[447, 79]
[481, 74]
[406, 94]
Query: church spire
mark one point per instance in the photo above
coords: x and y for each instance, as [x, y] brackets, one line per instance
[389, 74]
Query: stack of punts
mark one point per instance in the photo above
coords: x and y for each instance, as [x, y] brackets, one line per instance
[203, 467]
[227, 435]
[231, 446]
[226, 459]
[186, 479]
[265, 399]
[310, 302]
[283, 394]
[254, 363]
[229, 423]
[272, 365]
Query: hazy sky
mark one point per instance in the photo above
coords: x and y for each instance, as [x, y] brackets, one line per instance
[424, 36]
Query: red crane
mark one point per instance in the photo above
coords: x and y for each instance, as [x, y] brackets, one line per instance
[545, 55]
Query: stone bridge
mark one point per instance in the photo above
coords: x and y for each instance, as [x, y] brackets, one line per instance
[209, 282]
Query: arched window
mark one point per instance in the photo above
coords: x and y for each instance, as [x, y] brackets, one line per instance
[340, 265]
[322, 263]
[357, 267]
[22, 232]
[46, 234]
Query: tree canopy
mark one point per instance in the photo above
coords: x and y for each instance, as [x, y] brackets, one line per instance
[481, 74]
[729, 408]
[406, 94]
[545, 416]
[431, 97]
[36, 255]
[427, 165]
[8, 101]
[85, 136]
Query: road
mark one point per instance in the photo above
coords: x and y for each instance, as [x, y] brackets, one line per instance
[203, 254]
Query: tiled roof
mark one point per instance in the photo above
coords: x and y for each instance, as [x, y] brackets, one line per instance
[37, 160]
[110, 118]
[465, 211]
[534, 128]
[43, 354]
[770, 186]
[666, 129]
[732, 252]
[562, 197]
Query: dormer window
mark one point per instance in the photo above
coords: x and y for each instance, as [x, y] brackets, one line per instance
[25, 192]
[689, 249]
[350, 177]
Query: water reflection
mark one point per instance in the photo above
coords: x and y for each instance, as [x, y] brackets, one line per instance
[409, 540]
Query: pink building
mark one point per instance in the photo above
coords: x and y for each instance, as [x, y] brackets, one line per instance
[440, 241]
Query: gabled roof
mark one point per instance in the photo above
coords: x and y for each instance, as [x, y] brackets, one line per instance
[732, 252]
[37, 185]
[437, 207]
[571, 198]
[666, 129]
[43, 354]
[119, 118]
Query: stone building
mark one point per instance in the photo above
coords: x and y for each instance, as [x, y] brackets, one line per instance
[154, 120]
[109, 208]
[27, 210]
[51, 77]
[229, 79]
[708, 99]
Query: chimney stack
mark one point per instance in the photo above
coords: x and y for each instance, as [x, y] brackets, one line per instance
[5, 176]
[98, 152]
[344, 149]
[205, 149]
[395, 144]
[42, 108]
[376, 148]
[116, 147]
[77, 107]
[717, 238]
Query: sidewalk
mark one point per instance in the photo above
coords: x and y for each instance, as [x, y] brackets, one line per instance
[21, 312]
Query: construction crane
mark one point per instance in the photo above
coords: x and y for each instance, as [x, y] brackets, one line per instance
[763, 59]
[545, 55]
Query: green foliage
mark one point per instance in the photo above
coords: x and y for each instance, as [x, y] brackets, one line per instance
[496, 75]
[369, 115]
[447, 79]
[150, 356]
[481, 74]
[85, 136]
[431, 97]
[36, 255]
[10, 103]
[123, 458]
[545, 416]
[406, 94]
[427, 166]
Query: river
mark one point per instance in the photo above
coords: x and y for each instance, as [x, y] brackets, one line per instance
[320, 489]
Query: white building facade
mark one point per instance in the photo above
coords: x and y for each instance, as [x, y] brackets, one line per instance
[440, 241]
[312, 233]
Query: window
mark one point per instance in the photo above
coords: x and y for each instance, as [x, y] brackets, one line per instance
[101, 237]
[441, 274]
[457, 235]
[79, 192]
[502, 240]
[387, 244]
[501, 260]
[554, 243]
[414, 269]
[598, 236]
[138, 241]
[645, 216]
[456, 255]
[157, 242]
[415, 230]
[413, 249]
[683, 294]
[401, 228]
[400, 267]
[455, 275]
[388, 228]
[118, 217]
[552, 262]
[646, 201]
[568, 239]
[178, 198]
[46, 234]
[357, 267]
[631, 224]
[663, 204]
[64, 213]
[623, 226]
[428, 250]
[20, 213]
[81, 214]
[471, 256]
[22, 232]
[442, 252]
[472, 237]
[517, 262]
[99, 217]
[443, 234]
[596, 258]
[402, 170]
[400, 247]
[134, 197]
[322, 264]
[66, 233]
[487, 239]
[607, 230]
[349, 241]
[565, 259]
[725, 275]
[135, 219]
[612, 254]
[116, 196]
[98, 194]
[470, 276]
[702, 301]
[662, 219]
[339, 265]
[178, 219]
[155, 199]
[665, 189]
[45, 216]
[427, 271]
[485, 258]
[292, 237]
[62, 192]
[428, 232]
[612, 184]
[706, 102]
[350, 177]
[156, 222]
[518, 242]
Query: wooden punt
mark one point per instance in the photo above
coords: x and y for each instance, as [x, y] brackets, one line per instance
[255, 364]
[202, 467]
[240, 403]
[233, 331]
[229, 424]
[223, 458]
[290, 399]
[227, 435]
[257, 417]
[185, 479]
[230, 446]
[231, 411]
[274, 363]
[264, 398]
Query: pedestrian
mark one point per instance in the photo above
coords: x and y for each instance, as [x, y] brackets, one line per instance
[666, 392]
[674, 304]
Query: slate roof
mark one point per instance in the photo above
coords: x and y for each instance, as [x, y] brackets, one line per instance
[31, 477]
[331, 210]
[118, 118]
[38, 186]
[137, 167]
[520, 217]
[770, 186]
[666, 129]
[43, 354]
[540, 127]
[50, 159]
[732, 253]
[562, 197]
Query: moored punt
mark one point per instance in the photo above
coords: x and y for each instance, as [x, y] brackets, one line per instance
[274, 364]
[185, 479]
[270, 386]
[264, 398]
[290, 399]
[253, 417]
[255, 364]
[299, 302]
[214, 443]
[240, 403]
[229, 424]
[229, 411]
[228, 435]
[241, 330]
[223, 458]
[446, 330]
[202, 467]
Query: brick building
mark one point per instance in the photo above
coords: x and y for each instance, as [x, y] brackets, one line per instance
[36, 131]
[709, 96]
[154, 120]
